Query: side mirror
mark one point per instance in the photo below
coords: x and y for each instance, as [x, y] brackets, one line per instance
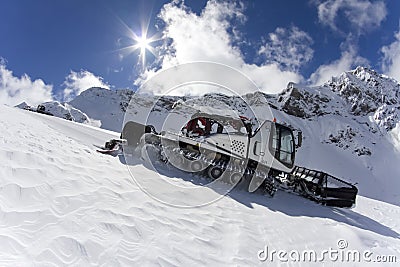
[299, 138]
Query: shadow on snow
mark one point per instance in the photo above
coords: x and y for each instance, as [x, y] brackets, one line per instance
[284, 202]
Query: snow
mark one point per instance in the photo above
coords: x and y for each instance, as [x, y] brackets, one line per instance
[395, 137]
[66, 111]
[61, 203]
[106, 106]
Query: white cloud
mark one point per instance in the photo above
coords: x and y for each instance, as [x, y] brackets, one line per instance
[210, 36]
[391, 58]
[362, 15]
[290, 48]
[270, 78]
[77, 82]
[351, 18]
[348, 60]
[203, 37]
[15, 90]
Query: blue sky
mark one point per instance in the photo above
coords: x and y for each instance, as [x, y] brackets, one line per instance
[55, 49]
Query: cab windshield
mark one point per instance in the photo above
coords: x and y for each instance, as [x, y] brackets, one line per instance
[282, 145]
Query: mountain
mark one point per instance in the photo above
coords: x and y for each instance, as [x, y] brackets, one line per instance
[64, 204]
[107, 106]
[361, 92]
[371, 100]
[61, 110]
[68, 112]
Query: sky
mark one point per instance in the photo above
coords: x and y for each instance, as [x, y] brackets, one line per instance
[53, 49]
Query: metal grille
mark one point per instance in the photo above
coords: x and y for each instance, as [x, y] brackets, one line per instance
[237, 146]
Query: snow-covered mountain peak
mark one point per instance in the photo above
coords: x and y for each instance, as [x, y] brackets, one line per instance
[22, 105]
[365, 90]
[308, 102]
[104, 94]
[360, 92]
[107, 106]
[356, 108]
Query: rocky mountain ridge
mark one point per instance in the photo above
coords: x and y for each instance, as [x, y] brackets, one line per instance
[359, 92]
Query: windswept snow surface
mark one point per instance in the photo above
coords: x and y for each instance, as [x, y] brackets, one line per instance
[63, 204]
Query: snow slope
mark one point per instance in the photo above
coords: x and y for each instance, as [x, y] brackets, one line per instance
[63, 204]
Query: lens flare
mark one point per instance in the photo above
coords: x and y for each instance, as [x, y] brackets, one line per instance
[142, 42]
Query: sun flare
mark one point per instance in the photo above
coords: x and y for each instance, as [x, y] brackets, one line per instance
[143, 44]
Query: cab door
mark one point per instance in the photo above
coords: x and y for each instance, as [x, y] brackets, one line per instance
[259, 148]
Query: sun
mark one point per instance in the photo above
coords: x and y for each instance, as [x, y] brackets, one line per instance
[142, 42]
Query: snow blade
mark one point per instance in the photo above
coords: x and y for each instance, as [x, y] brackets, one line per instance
[324, 188]
[112, 147]
[113, 152]
[133, 132]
